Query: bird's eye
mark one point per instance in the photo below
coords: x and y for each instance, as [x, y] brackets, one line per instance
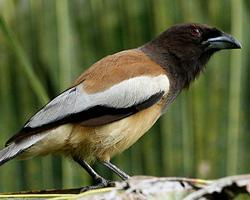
[195, 32]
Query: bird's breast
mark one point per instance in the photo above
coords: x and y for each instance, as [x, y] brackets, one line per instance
[99, 142]
[103, 142]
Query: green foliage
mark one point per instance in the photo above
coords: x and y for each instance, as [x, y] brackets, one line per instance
[45, 44]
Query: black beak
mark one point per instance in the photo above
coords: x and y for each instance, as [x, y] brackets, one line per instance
[225, 41]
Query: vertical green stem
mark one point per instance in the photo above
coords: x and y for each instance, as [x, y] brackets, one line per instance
[35, 83]
[65, 68]
[235, 90]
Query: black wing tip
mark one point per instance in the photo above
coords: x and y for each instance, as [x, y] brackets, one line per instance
[26, 130]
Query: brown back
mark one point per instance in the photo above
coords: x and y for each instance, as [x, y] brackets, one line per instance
[116, 68]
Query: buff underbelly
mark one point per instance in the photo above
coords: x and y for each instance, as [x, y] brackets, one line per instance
[100, 142]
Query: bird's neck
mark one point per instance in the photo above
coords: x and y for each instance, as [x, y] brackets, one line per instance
[180, 72]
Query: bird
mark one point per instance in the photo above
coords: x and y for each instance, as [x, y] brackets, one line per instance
[118, 99]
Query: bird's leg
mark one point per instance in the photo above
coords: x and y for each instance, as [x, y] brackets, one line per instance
[116, 170]
[100, 182]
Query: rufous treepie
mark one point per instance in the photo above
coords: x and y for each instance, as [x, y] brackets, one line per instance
[118, 99]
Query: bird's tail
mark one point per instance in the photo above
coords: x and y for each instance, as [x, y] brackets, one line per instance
[14, 149]
[8, 153]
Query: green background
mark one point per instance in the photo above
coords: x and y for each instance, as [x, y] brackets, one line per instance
[45, 45]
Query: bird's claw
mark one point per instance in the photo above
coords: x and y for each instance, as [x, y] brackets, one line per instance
[99, 183]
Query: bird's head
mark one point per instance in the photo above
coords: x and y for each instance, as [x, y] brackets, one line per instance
[196, 41]
[188, 47]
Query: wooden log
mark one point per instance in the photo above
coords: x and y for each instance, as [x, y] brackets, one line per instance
[147, 187]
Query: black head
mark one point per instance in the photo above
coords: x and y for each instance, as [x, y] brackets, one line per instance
[194, 41]
[185, 49]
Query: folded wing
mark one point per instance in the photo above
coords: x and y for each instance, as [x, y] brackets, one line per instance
[75, 105]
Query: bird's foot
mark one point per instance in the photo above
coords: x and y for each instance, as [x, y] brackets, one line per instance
[99, 183]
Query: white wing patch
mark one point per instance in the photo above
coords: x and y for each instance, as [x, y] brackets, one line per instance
[129, 92]
[122, 95]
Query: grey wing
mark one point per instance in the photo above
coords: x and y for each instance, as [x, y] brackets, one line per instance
[76, 105]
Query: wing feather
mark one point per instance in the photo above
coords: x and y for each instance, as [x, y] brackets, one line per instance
[76, 105]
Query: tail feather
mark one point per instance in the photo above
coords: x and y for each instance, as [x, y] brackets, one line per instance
[9, 152]
[15, 149]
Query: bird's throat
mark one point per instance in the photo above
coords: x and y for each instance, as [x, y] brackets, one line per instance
[180, 73]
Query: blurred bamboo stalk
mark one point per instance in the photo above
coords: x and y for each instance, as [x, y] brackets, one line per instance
[234, 129]
[65, 68]
[34, 81]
